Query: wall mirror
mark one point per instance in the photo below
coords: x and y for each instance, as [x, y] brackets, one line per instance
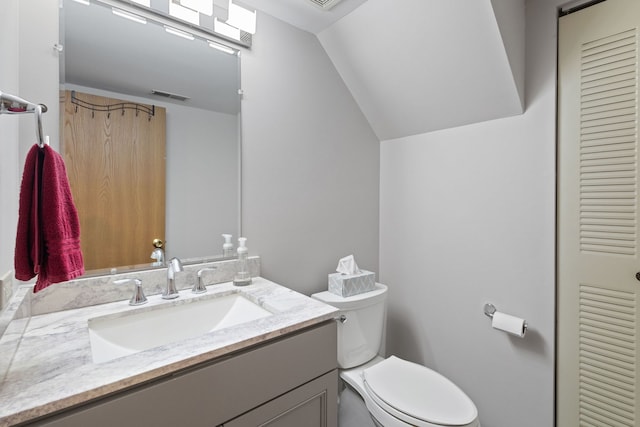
[111, 59]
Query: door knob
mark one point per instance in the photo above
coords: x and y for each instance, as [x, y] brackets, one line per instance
[638, 276]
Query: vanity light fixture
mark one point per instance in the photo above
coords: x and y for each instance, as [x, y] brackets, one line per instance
[242, 18]
[184, 13]
[203, 6]
[128, 15]
[179, 33]
[84, 2]
[225, 29]
[221, 47]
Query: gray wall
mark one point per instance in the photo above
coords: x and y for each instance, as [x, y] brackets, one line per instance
[310, 162]
[29, 70]
[9, 181]
[467, 216]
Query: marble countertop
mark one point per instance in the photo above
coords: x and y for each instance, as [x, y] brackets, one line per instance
[52, 368]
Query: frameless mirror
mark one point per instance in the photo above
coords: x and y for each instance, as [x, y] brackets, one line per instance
[109, 58]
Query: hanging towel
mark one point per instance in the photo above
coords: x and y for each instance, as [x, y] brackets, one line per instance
[48, 236]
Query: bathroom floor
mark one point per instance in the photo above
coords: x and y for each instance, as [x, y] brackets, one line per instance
[352, 411]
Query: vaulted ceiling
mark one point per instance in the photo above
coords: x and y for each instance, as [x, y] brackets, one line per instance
[415, 66]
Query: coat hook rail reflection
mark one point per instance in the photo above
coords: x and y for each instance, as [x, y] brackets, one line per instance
[11, 104]
[108, 108]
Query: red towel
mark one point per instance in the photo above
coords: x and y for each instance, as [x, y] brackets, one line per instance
[48, 237]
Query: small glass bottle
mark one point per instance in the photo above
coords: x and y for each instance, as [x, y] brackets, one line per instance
[243, 276]
[227, 247]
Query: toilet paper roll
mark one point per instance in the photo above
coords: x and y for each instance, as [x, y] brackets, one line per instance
[511, 324]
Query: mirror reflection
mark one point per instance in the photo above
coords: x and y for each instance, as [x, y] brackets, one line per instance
[162, 163]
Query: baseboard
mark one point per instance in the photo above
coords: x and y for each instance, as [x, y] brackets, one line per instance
[6, 288]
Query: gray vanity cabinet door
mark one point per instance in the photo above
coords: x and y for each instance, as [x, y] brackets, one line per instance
[311, 405]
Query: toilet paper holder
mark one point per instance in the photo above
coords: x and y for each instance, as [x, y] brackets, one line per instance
[490, 310]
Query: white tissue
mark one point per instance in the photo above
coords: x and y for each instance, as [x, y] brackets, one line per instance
[510, 324]
[347, 265]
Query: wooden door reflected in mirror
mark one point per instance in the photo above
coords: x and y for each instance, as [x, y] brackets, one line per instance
[115, 158]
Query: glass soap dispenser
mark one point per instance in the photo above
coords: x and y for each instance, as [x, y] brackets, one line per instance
[227, 247]
[243, 276]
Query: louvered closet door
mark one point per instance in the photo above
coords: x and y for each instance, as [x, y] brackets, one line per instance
[597, 377]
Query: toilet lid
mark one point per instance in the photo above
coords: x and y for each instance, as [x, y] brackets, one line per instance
[408, 390]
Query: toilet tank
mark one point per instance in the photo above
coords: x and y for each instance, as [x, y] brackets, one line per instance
[360, 335]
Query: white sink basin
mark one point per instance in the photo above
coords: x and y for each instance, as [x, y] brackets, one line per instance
[118, 335]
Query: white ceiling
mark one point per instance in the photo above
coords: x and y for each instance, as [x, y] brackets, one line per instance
[415, 66]
[303, 14]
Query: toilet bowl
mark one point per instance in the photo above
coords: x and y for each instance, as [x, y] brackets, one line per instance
[396, 392]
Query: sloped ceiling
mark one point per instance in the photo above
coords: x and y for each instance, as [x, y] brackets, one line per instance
[415, 66]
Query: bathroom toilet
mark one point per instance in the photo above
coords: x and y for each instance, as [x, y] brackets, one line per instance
[396, 392]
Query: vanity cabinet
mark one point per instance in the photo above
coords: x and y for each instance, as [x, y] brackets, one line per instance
[288, 381]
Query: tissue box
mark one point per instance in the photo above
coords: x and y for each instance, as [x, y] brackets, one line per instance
[347, 285]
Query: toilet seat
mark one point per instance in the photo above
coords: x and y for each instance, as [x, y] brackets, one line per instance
[417, 395]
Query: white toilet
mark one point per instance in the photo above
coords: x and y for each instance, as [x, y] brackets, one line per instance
[397, 393]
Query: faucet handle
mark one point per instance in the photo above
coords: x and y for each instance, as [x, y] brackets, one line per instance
[199, 287]
[138, 297]
[174, 266]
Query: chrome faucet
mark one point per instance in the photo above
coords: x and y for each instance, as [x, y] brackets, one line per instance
[174, 266]
[199, 287]
[138, 297]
